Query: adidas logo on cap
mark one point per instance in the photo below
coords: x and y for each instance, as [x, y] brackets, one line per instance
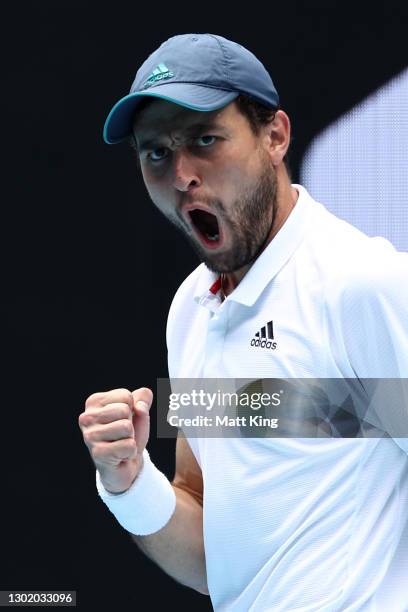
[264, 338]
[159, 73]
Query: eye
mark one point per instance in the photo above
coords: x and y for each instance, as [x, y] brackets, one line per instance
[205, 141]
[158, 154]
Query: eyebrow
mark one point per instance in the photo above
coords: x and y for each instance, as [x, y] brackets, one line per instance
[194, 130]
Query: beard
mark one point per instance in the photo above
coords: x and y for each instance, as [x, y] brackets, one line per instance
[248, 224]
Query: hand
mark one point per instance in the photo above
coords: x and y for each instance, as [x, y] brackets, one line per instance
[116, 426]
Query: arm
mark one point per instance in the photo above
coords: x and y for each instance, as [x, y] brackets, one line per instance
[178, 547]
[116, 427]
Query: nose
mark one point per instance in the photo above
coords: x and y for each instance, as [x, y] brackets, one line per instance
[185, 171]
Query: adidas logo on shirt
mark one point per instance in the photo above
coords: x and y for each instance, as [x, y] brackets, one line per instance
[264, 337]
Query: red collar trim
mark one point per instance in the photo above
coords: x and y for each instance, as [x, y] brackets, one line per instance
[215, 287]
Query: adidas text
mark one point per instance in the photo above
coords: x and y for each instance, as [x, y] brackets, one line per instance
[264, 343]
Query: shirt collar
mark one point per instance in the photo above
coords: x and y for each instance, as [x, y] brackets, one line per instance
[269, 262]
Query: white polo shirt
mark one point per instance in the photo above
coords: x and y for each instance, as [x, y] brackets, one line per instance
[302, 524]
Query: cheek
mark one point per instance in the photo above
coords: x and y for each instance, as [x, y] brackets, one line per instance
[161, 198]
[230, 179]
[157, 190]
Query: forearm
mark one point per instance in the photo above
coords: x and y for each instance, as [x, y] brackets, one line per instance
[178, 548]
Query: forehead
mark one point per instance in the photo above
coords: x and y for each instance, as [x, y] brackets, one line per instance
[160, 116]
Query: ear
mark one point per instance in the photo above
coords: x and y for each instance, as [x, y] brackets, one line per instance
[277, 137]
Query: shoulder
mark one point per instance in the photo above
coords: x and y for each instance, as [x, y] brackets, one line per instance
[366, 304]
[354, 265]
[371, 274]
[364, 283]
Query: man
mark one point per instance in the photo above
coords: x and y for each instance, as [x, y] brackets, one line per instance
[285, 523]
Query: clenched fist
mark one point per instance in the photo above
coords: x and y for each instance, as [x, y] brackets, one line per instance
[116, 427]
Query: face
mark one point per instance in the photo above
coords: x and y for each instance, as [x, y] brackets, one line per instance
[212, 178]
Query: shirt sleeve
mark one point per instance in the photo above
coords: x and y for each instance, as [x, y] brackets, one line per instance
[373, 316]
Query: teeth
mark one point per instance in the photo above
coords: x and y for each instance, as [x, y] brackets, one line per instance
[213, 238]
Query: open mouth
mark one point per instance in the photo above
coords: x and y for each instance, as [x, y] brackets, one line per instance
[206, 226]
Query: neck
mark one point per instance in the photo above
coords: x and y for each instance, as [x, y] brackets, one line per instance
[285, 202]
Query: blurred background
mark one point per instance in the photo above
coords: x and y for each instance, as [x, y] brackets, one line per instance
[90, 268]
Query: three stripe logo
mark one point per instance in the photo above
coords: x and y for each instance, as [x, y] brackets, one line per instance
[264, 338]
[159, 73]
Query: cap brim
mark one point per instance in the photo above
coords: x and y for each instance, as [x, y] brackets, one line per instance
[118, 125]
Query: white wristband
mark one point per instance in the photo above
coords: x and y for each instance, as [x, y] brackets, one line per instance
[147, 505]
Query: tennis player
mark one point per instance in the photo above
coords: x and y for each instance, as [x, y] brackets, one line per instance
[285, 290]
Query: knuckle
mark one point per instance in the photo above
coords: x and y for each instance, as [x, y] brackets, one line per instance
[130, 445]
[85, 419]
[100, 399]
[88, 437]
[94, 399]
[128, 428]
[126, 412]
[117, 411]
[123, 395]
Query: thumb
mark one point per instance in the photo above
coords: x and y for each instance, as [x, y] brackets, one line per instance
[142, 400]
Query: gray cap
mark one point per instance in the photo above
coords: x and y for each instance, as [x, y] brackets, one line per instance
[203, 72]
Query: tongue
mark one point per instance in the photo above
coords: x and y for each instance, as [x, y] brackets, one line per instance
[206, 223]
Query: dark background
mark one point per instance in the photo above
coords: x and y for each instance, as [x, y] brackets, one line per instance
[90, 268]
